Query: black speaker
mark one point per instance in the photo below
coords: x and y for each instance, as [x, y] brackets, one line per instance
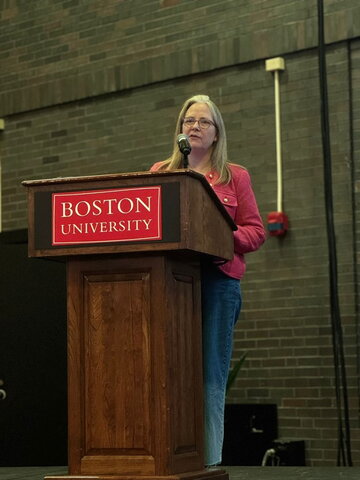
[249, 430]
[289, 453]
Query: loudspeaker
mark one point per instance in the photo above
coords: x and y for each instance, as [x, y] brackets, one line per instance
[249, 430]
[290, 453]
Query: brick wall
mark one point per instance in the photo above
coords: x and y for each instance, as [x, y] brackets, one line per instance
[95, 87]
[60, 51]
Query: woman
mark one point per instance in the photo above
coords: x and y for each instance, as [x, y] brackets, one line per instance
[201, 120]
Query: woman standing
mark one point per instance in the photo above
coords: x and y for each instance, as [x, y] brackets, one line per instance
[201, 121]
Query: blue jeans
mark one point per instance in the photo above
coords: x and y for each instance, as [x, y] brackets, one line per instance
[221, 304]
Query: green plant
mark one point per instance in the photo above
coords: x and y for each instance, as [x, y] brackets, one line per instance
[234, 371]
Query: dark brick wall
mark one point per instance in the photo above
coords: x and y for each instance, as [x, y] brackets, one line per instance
[95, 87]
[56, 51]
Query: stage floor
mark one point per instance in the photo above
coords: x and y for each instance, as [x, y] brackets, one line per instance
[235, 473]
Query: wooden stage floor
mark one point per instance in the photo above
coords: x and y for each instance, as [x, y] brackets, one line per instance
[235, 473]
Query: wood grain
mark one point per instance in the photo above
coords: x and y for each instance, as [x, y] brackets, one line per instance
[135, 372]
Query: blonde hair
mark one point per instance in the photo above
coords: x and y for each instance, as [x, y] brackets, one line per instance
[219, 159]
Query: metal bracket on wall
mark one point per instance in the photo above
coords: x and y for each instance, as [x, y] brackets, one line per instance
[277, 221]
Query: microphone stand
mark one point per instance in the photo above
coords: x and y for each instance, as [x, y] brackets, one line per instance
[185, 160]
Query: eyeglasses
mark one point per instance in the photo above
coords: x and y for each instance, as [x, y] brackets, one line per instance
[204, 123]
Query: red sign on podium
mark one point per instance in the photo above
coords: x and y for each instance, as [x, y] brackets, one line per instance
[102, 216]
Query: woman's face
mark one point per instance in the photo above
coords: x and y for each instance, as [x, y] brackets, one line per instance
[200, 138]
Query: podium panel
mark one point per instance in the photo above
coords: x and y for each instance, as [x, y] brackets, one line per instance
[116, 365]
[135, 372]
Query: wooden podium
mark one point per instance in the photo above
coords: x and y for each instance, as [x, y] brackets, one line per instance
[134, 316]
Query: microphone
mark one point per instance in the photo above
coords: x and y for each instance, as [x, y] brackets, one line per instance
[184, 144]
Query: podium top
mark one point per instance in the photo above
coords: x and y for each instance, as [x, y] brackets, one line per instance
[188, 214]
[133, 176]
